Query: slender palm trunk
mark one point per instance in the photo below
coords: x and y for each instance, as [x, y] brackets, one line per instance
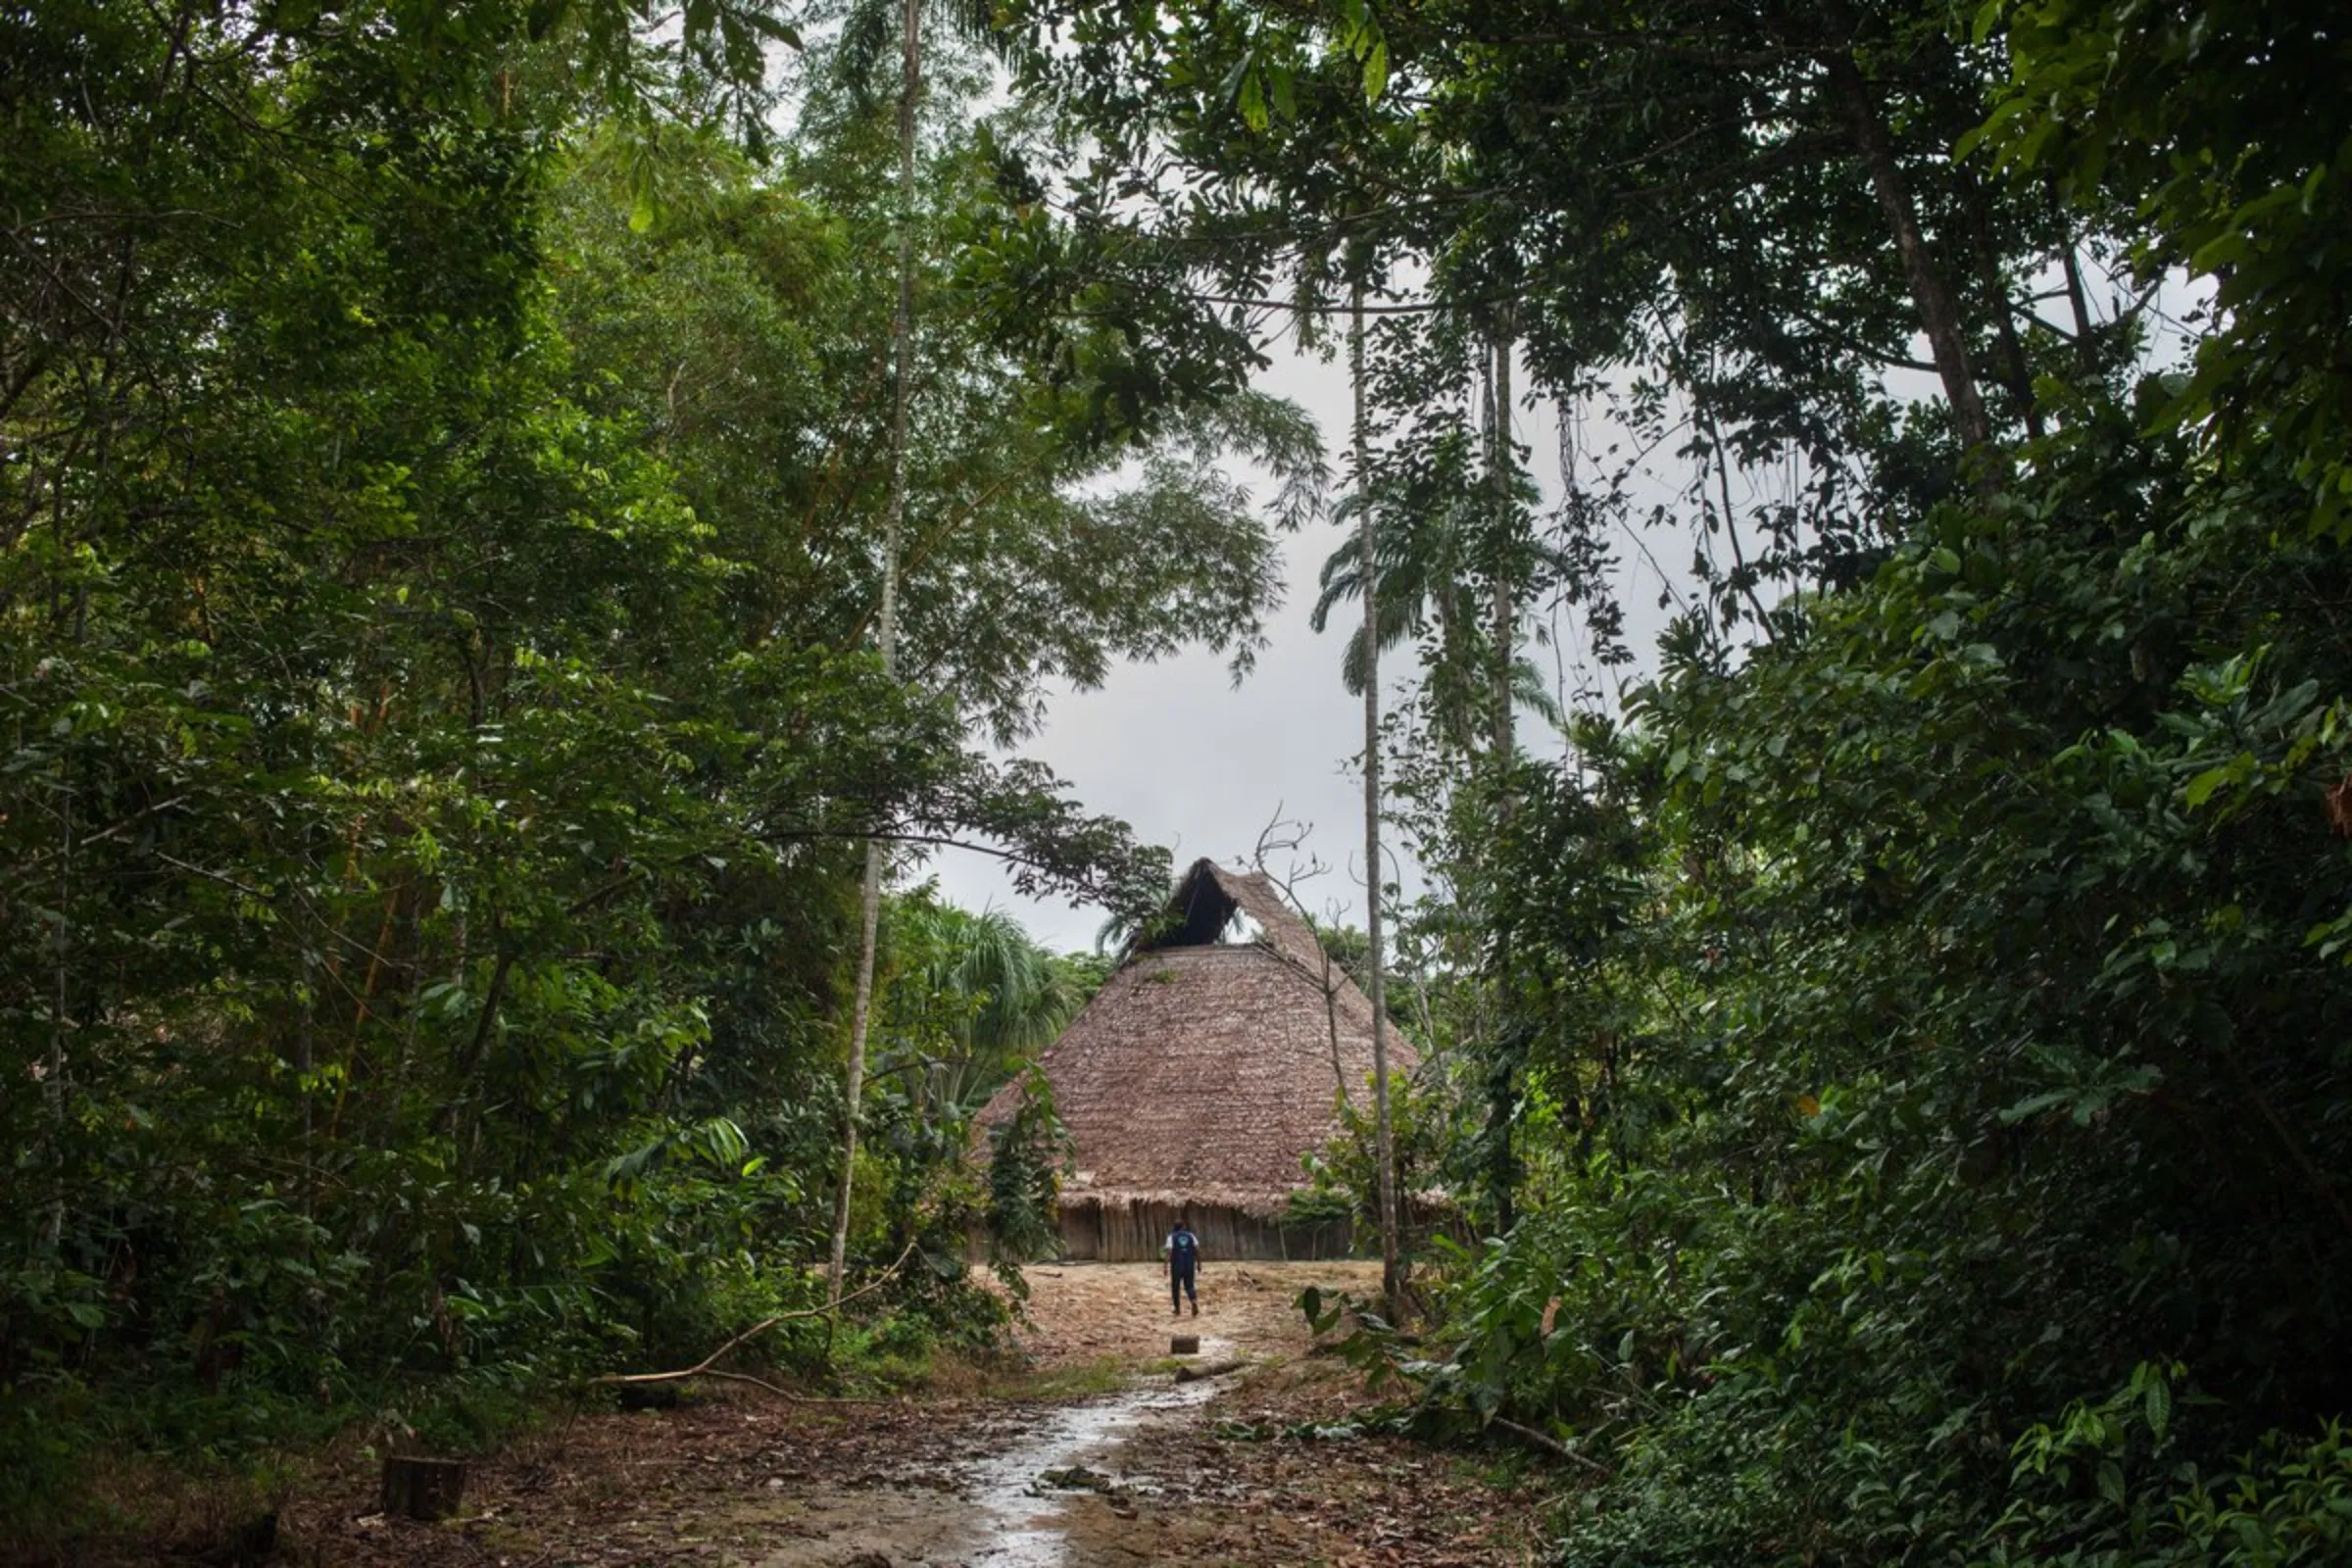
[1502, 744]
[1392, 1269]
[902, 335]
[1506, 611]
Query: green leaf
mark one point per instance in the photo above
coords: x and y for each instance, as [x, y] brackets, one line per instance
[2034, 1105]
[1253, 101]
[1284, 85]
[2200, 789]
[774, 27]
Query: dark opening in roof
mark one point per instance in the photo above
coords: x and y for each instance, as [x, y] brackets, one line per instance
[1199, 913]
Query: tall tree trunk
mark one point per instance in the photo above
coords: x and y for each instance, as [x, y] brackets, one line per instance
[870, 912]
[1504, 739]
[2077, 298]
[2016, 374]
[1741, 578]
[1933, 297]
[1503, 1084]
[53, 1082]
[2078, 301]
[1392, 1270]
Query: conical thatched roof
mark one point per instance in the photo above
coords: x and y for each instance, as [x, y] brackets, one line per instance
[1204, 1067]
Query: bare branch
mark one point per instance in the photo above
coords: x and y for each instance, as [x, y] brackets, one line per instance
[1555, 1446]
[703, 1367]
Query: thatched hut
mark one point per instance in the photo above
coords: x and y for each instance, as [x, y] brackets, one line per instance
[1200, 1072]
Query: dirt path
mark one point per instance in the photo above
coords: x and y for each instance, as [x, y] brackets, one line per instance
[1254, 1468]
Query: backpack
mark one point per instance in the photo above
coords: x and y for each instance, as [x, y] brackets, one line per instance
[1183, 1246]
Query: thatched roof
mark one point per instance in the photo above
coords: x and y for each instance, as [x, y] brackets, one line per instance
[1204, 1067]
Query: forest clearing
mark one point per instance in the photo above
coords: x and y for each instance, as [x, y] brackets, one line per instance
[1087, 1457]
[611, 614]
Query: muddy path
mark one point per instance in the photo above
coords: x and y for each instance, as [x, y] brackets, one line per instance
[1095, 1458]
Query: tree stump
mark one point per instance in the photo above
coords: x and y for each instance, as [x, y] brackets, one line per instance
[424, 1489]
[1184, 1345]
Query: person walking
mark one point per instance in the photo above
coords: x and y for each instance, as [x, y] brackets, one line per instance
[1180, 1255]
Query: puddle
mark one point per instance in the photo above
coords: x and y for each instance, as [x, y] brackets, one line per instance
[1021, 1529]
[992, 1509]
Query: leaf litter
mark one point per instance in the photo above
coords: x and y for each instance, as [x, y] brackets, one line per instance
[1268, 1468]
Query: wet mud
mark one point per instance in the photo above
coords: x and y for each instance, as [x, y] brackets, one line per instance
[1259, 1467]
[1009, 1505]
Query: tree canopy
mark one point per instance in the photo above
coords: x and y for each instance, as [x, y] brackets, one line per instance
[1886, 1050]
[1894, 1037]
[439, 494]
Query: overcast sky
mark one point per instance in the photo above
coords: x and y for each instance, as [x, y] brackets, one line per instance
[1191, 762]
[1196, 765]
[1201, 766]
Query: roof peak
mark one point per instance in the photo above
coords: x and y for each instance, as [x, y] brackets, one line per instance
[1203, 906]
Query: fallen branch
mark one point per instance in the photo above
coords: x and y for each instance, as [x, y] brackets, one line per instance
[1553, 1446]
[1195, 1374]
[703, 1367]
[780, 1390]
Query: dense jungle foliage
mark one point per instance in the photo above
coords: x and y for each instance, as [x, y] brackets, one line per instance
[1900, 1056]
[438, 468]
[1895, 1057]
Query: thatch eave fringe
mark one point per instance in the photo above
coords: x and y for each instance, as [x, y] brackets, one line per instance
[1270, 1207]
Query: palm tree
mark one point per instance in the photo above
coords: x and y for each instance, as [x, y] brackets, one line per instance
[1391, 1275]
[1004, 996]
[1434, 531]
